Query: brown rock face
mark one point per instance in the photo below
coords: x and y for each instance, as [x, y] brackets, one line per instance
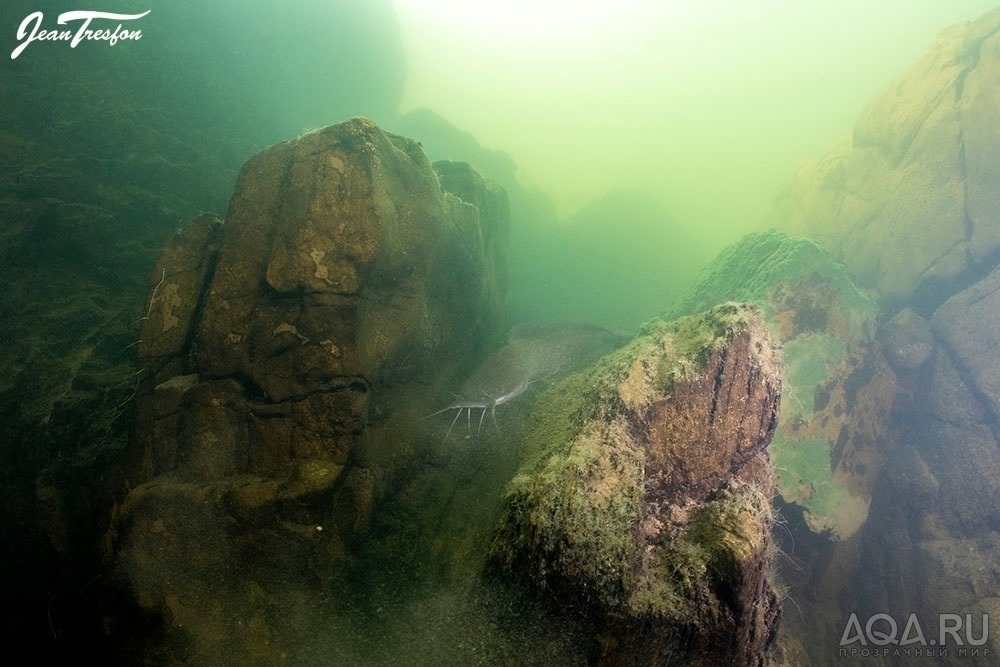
[827, 450]
[645, 493]
[343, 284]
[711, 425]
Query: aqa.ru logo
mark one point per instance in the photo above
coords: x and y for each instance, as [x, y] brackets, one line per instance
[881, 630]
[31, 30]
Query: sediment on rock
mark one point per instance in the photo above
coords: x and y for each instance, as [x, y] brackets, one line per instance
[644, 492]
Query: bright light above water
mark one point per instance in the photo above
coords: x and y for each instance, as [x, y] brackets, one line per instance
[710, 106]
[552, 18]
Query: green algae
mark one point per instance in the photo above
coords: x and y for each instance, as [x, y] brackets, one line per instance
[808, 362]
[748, 271]
[730, 529]
[720, 536]
[821, 319]
[574, 507]
[804, 477]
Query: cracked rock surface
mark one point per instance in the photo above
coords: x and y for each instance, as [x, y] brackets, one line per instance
[910, 202]
[288, 353]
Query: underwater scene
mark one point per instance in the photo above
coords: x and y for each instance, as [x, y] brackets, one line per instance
[449, 333]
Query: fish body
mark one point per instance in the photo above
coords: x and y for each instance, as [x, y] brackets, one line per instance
[533, 354]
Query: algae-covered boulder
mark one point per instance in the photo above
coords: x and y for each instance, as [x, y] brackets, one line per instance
[287, 352]
[644, 492]
[837, 386]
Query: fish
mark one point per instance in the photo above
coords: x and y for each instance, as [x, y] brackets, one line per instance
[534, 354]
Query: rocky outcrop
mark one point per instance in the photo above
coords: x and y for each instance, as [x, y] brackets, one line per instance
[104, 153]
[837, 385]
[909, 204]
[902, 415]
[930, 544]
[905, 205]
[342, 288]
[462, 180]
[644, 491]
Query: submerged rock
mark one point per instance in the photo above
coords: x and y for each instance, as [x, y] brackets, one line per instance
[644, 492]
[907, 341]
[837, 386]
[967, 325]
[343, 283]
[910, 203]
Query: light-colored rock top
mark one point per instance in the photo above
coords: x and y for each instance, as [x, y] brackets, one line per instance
[911, 199]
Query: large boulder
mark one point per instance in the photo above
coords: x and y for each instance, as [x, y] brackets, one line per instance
[644, 493]
[104, 152]
[837, 385]
[910, 203]
[288, 353]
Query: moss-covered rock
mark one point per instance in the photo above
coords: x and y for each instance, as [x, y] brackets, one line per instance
[838, 387]
[644, 491]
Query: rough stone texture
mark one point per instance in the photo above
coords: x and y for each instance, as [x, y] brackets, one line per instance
[343, 289]
[103, 153]
[969, 326]
[829, 444]
[907, 341]
[644, 493]
[932, 538]
[910, 203]
[929, 543]
[170, 312]
[460, 179]
[954, 436]
[956, 412]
